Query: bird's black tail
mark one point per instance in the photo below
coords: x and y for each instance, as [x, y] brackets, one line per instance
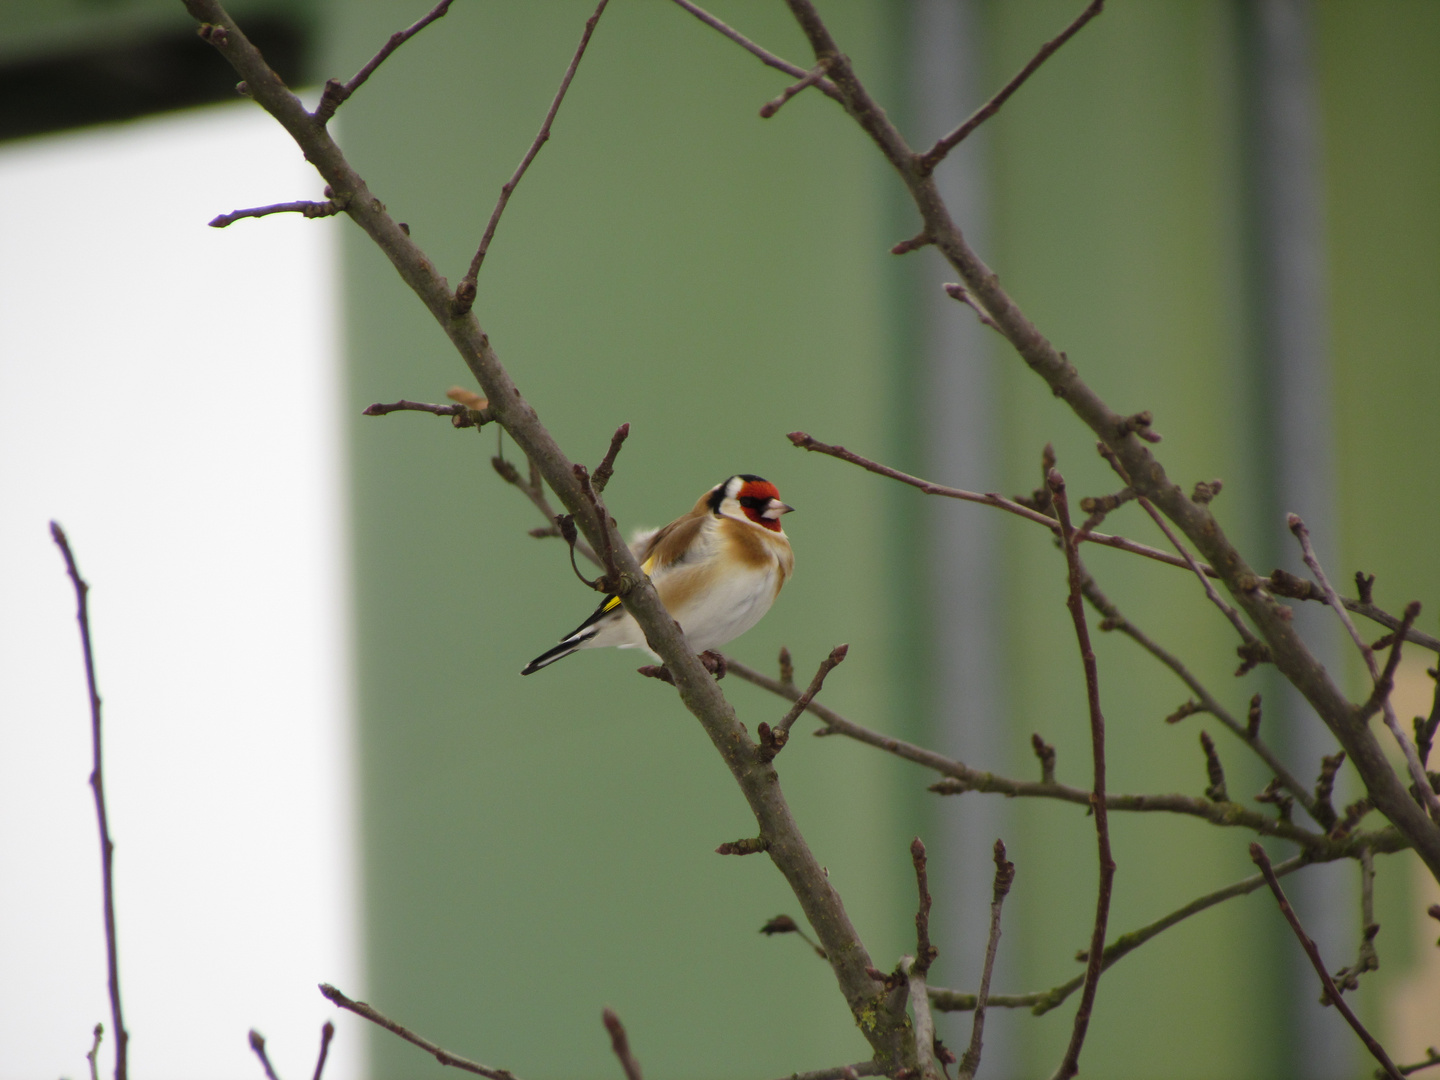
[559, 652]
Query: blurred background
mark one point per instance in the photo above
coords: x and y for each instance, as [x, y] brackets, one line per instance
[322, 763]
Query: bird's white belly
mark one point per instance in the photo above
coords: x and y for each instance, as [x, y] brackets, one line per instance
[728, 608]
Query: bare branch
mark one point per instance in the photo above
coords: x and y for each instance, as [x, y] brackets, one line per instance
[1043, 1001]
[327, 1032]
[97, 787]
[936, 154]
[763, 55]
[773, 106]
[962, 778]
[465, 291]
[1271, 618]
[1004, 877]
[1412, 758]
[336, 92]
[1113, 620]
[328, 208]
[1432, 1058]
[829, 664]
[1070, 1064]
[620, 1042]
[839, 1072]
[926, 1065]
[606, 468]
[444, 1057]
[925, 952]
[1348, 978]
[1257, 854]
[807, 442]
[784, 924]
[461, 415]
[257, 1044]
[95, 1052]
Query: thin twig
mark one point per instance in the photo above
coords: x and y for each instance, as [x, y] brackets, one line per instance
[95, 1052]
[97, 787]
[765, 56]
[773, 106]
[784, 924]
[829, 664]
[838, 1072]
[535, 492]
[1257, 854]
[1004, 877]
[310, 209]
[336, 92]
[961, 778]
[1428, 798]
[606, 468]
[1215, 598]
[327, 1032]
[1070, 1064]
[1042, 1001]
[956, 291]
[1348, 978]
[1432, 1058]
[925, 952]
[461, 415]
[1113, 620]
[257, 1044]
[927, 1067]
[620, 1043]
[807, 442]
[465, 291]
[936, 153]
[444, 1057]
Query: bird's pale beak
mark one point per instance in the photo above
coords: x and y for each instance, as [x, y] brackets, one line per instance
[776, 508]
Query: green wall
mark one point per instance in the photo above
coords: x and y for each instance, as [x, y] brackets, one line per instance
[538, 848]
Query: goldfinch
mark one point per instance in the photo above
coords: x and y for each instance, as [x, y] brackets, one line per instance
[717, 570]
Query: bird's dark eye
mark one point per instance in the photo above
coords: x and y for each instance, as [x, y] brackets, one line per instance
[750, 502]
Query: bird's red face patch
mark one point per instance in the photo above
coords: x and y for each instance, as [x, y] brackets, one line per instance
[760, 500]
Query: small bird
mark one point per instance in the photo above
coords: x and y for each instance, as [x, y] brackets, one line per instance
[717, 570]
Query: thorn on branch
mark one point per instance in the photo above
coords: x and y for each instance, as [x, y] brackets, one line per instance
[257, 1044]
[925, 952]
[818, 72]
[1139, 425]
[1189, 708]
[1365, 586]
[1353, 813]
[1046, 753]
[657, 671]
[620, 1043]
[1252, 654]
[1216, 791]
[956, 291]
[829, 664]
[1275, 793]
[1284, 583]
[1252, 719]
[784, 924]
[915, 243]
[304, 207]
[772, 741]
[1325, 786]
[606, 468]
[751, 845]
[1205, 491]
